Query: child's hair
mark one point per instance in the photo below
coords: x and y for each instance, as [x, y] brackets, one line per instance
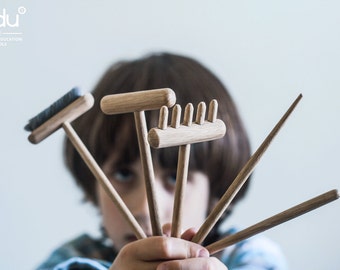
[220, 159]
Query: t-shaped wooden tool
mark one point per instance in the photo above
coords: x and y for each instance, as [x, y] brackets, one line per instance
[183, 135]
[138, 102]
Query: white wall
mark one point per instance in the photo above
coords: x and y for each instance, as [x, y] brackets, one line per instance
[266, 52]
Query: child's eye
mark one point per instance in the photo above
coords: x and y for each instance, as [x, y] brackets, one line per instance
[123, 175]
[170, 180]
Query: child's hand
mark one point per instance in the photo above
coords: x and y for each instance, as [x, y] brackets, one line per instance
[161, 252]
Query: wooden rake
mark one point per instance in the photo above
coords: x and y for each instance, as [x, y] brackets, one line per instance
[183, 135]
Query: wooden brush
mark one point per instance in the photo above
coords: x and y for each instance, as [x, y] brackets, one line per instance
[138, 102]
[59, 115]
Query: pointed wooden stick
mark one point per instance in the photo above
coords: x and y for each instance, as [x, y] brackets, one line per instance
[240, 179]
[275, 220]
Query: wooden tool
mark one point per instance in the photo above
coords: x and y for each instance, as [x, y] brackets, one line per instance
[275, 220]
[182, 136]
[62, 119]
[138, 102]
[240, 179]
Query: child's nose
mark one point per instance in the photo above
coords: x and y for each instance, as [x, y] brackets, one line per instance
[140, 208]
[164, 202]
[140, 202]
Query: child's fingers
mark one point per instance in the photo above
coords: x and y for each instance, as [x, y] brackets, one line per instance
[189, 234]
[165, 248]
[186, 235]
[166, 228]
[193, 264]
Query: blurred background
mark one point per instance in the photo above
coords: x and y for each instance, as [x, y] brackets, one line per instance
[266, 52]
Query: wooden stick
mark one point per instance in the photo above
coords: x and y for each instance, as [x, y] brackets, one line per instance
[148, 171]
[103, 180]
[275, 220]
[240, 179]
[181, 176]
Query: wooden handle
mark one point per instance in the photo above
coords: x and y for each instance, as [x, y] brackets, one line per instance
[68, 114]
[138, 101]
[148, 171]
[240, 179]
[275, 220]
[181, 176]
[103, 180]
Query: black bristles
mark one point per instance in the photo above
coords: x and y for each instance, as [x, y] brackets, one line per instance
[56, 107]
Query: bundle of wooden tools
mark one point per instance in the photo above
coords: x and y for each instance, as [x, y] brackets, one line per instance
[181, 134]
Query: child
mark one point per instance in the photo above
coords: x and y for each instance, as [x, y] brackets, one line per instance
[212, 168]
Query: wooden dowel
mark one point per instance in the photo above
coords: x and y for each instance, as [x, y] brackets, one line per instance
[102, 179]
[240, 179]
[163, 117]
[148, 171]
[181, 177]
[275, 220]
[200, 115]
[176, 116]
[188, 114]
[138, 101]
[212, 113]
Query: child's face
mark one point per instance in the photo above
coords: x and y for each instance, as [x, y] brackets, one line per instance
[129, 182]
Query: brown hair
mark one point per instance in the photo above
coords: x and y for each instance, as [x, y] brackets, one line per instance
[220, 160]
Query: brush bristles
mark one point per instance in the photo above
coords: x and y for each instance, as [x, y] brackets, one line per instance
[68, 114]
[56, 107]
